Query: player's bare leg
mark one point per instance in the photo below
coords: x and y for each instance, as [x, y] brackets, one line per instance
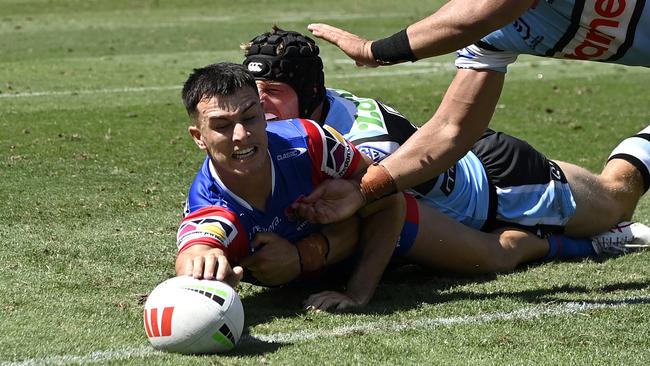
[605, 200]
[625, 184]
[445, 244]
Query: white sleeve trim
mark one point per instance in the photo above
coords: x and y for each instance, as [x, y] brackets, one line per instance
[474, 57]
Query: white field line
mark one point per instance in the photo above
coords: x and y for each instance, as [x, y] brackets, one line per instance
[526, 314]
[89, 91]
[85, 20]
[425, 323]
[408, 69]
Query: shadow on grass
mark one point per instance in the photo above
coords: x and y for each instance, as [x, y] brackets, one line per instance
[407, 287]
[402, 287]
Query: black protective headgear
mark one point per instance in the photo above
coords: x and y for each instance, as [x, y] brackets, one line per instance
[298, 65]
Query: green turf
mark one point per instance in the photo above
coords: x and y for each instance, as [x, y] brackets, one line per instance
[96, 162]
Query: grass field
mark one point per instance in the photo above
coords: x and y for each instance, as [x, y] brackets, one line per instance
[95, 163]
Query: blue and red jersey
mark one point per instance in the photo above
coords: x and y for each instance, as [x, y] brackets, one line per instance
[302, 154]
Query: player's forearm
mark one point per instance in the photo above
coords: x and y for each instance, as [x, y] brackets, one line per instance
[380, 230]
[461, 22]
[461, 118]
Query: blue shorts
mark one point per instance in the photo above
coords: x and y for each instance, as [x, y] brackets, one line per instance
[528, 190]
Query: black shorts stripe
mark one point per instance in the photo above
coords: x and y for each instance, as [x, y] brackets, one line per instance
[399, 128]
[638, 164]
[511, 162]
[571, 31]
[631, 29]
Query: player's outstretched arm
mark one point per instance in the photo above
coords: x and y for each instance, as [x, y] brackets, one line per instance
[455, 25]
[459, 121]
[459, 23]
[380, 229]
[204, 261]
[353, 46]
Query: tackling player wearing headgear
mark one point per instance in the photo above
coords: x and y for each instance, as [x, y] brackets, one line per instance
[289, 75]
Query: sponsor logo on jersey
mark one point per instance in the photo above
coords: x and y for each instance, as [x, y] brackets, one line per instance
[217, 228]
[151, 322]
[368, 115]
[373, 153]
[291, 153]
[605, 26]
[338, 153]
[270, 228]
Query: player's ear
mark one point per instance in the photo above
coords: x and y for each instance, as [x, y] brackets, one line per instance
[195, 132]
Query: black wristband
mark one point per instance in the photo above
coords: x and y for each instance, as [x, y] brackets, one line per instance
[393, 49]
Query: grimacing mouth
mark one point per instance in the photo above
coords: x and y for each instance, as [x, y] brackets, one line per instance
[244, 153]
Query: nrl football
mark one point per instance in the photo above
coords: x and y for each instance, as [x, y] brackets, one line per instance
[190, 316]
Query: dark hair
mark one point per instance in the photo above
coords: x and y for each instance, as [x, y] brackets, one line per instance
[224, 78]
[291, 58]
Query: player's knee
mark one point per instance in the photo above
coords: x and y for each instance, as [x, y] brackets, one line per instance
[499, 257]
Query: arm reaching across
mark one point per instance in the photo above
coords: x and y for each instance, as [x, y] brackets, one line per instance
[463, 115]
[461, 118]
[352, 45]
[455, 25]
[380, 230]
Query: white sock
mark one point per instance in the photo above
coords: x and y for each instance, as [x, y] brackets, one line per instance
[636, 151]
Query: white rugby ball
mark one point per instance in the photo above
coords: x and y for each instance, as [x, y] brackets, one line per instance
[190, 316]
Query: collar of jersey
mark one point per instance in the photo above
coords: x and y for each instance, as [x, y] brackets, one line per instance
[242, 202]
[338, 106]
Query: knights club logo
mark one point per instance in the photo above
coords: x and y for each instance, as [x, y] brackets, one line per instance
[156, 325]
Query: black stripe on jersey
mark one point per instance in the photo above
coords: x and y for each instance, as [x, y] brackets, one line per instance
[578, 7]
[645, 136]
[380, 138]
[631, 29]
[638, 164]
[399, 128]
[486, 46]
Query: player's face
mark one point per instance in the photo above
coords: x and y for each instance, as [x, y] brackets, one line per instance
[232, 130]
[279, 99]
